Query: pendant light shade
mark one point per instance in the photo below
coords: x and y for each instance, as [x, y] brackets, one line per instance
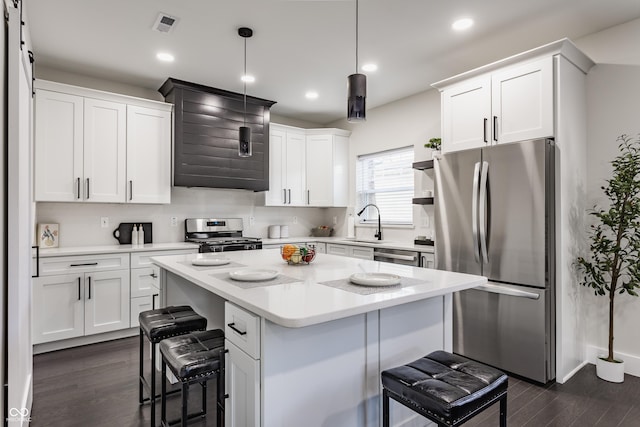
[244, 133]
[244, 144]
[356, 97]
[356, 89]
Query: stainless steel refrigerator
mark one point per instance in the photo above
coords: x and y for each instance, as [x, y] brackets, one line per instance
[494, 215]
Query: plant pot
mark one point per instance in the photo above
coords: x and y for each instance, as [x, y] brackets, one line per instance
[436, 154]
[610, 371]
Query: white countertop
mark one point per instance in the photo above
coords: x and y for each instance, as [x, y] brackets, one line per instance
[307, 302]
[110, 249]
[386, 244]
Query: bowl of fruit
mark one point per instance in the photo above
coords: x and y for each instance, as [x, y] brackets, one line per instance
[298, 254]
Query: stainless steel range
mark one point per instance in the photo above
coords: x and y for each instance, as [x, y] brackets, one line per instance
[219, 235]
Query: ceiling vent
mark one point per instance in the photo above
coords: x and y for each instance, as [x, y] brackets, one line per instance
[165, 23]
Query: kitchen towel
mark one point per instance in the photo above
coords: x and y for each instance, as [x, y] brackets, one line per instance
[281, 279]
[346, 285]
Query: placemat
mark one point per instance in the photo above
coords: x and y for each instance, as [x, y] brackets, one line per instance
[281, 279]
[211, 267]
[346, 285]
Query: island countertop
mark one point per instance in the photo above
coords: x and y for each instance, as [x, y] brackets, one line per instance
[308, 302]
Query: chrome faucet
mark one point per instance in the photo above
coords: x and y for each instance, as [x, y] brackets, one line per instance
[378, 235]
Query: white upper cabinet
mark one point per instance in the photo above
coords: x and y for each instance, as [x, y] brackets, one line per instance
[307, 167]
[94, 146]
[59, 155]
[286, 167]
[105, 127]
[148, 155]
[509, 104]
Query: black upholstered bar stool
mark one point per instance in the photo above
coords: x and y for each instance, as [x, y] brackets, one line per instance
[445, 388]
[157, 325]
[194, 358]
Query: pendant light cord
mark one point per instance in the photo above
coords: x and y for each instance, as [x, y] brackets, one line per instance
[356, 36]
[244, 83]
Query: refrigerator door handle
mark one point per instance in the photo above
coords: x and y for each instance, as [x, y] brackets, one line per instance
[508, 291]
[474, 211]
[483, 211]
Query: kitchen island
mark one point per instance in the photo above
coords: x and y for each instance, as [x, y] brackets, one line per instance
[307, 348]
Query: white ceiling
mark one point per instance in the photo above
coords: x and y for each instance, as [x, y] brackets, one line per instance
[300, 45]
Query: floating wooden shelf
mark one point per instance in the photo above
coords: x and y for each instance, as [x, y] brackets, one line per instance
[426, 164]
[423, 201]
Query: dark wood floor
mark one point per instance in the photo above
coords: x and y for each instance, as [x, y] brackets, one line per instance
[96, 386]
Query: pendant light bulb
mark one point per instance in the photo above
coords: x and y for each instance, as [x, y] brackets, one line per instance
[244, 132]
[356, 89]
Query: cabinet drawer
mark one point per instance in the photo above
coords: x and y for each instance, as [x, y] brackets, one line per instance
[80, 264]
[140, 304]
[143, 259]
[243, 329]
[145, 281]
[360, 252]
[337, 249]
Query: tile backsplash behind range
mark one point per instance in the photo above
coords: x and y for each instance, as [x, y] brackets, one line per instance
[80, 222]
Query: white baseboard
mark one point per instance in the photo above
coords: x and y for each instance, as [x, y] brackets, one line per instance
[631, 362]
[89, 339]
[572, 373]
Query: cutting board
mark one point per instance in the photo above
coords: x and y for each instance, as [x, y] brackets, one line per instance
[123, 232]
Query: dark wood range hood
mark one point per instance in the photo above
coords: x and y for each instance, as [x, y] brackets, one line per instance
[206, 126]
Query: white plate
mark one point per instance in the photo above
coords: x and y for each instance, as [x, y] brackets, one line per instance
[375, 279]
[210, 261]
[250, 275]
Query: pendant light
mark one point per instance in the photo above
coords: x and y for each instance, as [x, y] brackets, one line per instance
[244, 133]
[356, 89]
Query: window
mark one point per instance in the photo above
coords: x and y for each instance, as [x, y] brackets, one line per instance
[386, 180]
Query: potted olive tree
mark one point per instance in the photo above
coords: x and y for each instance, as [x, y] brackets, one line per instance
[434, 144]
[613, 265]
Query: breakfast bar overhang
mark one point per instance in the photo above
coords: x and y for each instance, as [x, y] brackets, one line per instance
[306, 349]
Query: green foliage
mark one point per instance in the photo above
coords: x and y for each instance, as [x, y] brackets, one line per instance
[613, 266]
[434, 144]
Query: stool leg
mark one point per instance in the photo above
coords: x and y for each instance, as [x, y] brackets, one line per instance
[503, 411]
[204, 397]
[140, 394]
[185, 399]
[152, 396]
[219, 399]
[163, 412]
[385, 408]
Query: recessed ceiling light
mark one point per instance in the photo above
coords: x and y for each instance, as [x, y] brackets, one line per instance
[164, 56]
[312, 94]
[248, 78]
[369, 67]
[462, 24]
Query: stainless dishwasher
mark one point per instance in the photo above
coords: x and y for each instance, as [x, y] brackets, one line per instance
[397, 256]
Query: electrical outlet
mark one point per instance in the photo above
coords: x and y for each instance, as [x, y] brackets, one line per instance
[104, 222]
[252, 221]
[335, 220]
[295, 219]
[173, 221]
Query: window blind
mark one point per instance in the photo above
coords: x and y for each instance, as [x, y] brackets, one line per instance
[386, 180]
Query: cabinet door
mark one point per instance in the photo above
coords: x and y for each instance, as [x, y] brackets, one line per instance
[104, 151]
[140, 304]
[58, 147]
[428, 260]
[295, 169]
[334, 249]
[522, 101]
[320, 170]
[106, 301]
[466, 113]
[276, 196]
[361, 252]
[148, 155]
[58, 308]
[242, 375]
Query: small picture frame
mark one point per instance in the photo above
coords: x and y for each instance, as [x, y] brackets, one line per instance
[48, 235]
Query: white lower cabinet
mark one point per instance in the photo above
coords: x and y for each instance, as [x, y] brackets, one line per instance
[361, 252]
[428, 259]
[84, 303]
[242, 376]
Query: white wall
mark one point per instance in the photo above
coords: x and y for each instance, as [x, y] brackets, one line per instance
[411, 121]
[612, 110]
